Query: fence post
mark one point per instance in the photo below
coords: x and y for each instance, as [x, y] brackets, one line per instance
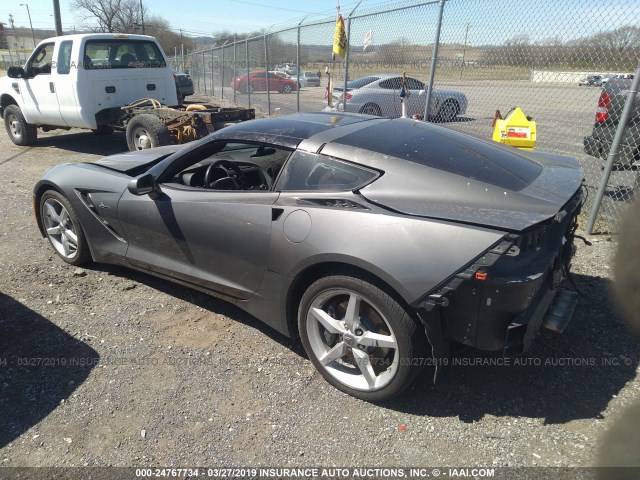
[222, 72]
[298, 70]
[434, 61]
[266, 70]
[246, 52]
[204, 72]
[213, 82]
[234, 66]
[614, 151]
[346, 59]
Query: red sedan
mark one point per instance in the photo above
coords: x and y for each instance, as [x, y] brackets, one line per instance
[257, 82]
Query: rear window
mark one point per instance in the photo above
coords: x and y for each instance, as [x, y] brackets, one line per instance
[446, 150]
[100, 54]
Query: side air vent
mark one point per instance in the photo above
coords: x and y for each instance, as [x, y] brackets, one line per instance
[341, 203]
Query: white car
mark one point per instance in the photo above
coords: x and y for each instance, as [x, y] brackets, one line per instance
[380, 95]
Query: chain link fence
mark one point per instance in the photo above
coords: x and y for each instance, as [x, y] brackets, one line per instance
[568, 64]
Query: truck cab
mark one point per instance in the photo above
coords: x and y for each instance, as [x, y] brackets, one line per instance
[82, 81]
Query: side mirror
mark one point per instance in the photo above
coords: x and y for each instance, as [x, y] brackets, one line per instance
[16, 72]
[144, 185]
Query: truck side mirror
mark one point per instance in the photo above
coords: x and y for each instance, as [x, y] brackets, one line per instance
[144, 185]
[16, 72]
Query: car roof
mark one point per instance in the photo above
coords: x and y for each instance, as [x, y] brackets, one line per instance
[291, 130]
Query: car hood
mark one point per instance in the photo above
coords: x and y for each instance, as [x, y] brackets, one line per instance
[461, 199]
[131, 162]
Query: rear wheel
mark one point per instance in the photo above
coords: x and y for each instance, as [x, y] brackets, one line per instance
[62, 227]
[448, 111]
[20, 131]
[147, 131]
[361, 340]
[371, 109]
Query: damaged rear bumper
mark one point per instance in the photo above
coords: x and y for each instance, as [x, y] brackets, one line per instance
[505, 297]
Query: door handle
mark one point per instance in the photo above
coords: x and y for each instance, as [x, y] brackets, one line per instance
[52, 87]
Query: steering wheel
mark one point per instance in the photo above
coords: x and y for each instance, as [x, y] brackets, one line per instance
[236, 180]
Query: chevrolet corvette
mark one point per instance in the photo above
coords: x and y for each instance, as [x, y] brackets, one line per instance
[379, 242]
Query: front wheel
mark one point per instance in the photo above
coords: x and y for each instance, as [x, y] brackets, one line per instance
[360, 338]
[287, 89]
[62, 227]
[147, 131]
[20, 131]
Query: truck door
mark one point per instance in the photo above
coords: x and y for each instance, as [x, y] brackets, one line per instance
[65, 78]
[39, 88]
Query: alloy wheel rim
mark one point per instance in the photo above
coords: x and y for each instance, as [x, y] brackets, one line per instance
[352, 340]
[14, 125]
[141, 139]
[60, 229]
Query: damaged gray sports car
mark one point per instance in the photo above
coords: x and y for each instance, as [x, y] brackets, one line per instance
[379, 242]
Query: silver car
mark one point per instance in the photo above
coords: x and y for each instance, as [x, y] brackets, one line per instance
[380, 95]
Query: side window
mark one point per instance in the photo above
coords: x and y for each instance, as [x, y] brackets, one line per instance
[413, 84]
[310, 171]
[394, 83]
[40, 62]
[63, 65]
[259, 75]
[122, 54]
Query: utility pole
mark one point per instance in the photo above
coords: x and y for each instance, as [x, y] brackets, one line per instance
[142, 15]
[464, 49]
[56, 16]
[30, 24]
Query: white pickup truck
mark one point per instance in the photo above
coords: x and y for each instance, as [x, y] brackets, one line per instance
[96, 81]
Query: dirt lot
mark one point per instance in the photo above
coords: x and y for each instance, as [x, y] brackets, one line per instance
[124, 369]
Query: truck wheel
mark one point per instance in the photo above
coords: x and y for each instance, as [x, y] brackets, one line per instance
[147, 131]
[103, 130]
[20, 132]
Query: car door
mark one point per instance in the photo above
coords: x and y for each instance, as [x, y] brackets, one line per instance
[416, 98]
[215, 239]
[259, 82]
[39, 88]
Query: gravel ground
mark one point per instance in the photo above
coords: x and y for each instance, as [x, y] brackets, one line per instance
[129, 370]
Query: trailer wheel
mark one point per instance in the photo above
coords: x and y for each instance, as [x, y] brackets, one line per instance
[147, 131]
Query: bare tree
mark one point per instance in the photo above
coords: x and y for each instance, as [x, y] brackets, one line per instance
[121, 16]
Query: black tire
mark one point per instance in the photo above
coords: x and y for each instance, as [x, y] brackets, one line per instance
[371, 109]
[251, 88]
[20, 132]
[398, 366]
[448, 111]
[287, 88]
[103, 130]
[78, 255]
[147, 131]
